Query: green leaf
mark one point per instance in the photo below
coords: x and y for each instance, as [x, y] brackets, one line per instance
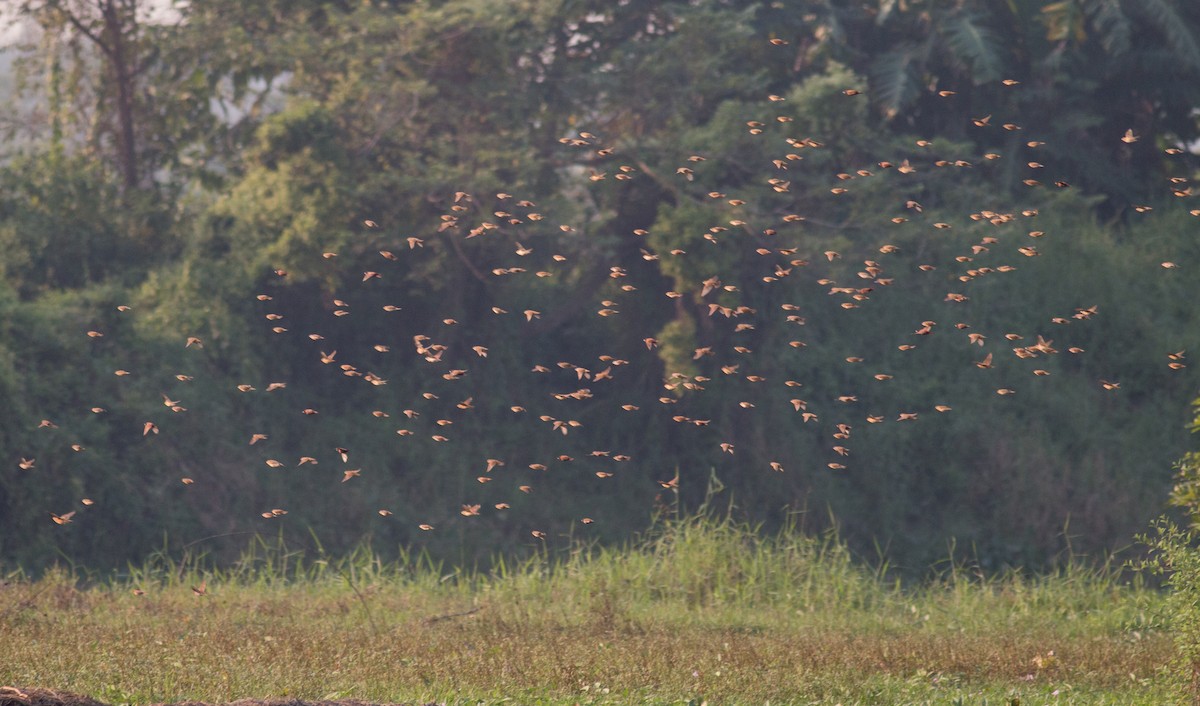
[894, 80]
[1064, 22]
[1112, 24]
[975, 44]
[1179, 34]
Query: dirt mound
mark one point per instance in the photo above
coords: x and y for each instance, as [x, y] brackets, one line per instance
[13, 696]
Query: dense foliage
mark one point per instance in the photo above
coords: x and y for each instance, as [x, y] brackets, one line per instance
[247, 140]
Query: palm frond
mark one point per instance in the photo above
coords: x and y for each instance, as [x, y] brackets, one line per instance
[1113, 25]
[975, 44]
[894, 80]
[1181, 35]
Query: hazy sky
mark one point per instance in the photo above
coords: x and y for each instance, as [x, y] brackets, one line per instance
[152, 11]
[10, 29]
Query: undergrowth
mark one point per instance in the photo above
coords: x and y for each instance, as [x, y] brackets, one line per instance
[699, 609]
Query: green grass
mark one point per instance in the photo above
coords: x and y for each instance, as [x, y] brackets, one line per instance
[701, 610]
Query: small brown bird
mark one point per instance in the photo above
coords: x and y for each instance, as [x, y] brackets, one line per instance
[64, 519]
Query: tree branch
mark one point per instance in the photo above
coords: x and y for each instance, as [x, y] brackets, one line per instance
[77, 24]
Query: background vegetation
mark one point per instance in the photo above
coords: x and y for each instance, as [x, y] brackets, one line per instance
[173, 165]
[683, 614]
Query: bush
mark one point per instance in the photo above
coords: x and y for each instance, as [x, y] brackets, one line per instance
[1175, 555]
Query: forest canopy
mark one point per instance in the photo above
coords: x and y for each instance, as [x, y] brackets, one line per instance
[625, 258]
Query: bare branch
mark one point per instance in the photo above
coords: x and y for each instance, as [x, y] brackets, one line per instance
[83, 29]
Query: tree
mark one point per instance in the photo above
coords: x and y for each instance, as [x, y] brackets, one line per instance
[161, 96]
[113, 35]
[1089, 71]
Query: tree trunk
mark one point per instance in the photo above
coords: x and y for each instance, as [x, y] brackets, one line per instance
[124, 78]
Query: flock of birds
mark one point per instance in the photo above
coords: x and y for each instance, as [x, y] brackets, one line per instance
[504, 214]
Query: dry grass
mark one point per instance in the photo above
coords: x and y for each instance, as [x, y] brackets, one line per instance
[702, 611]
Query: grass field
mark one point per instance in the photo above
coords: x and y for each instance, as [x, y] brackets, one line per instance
[699, 611]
